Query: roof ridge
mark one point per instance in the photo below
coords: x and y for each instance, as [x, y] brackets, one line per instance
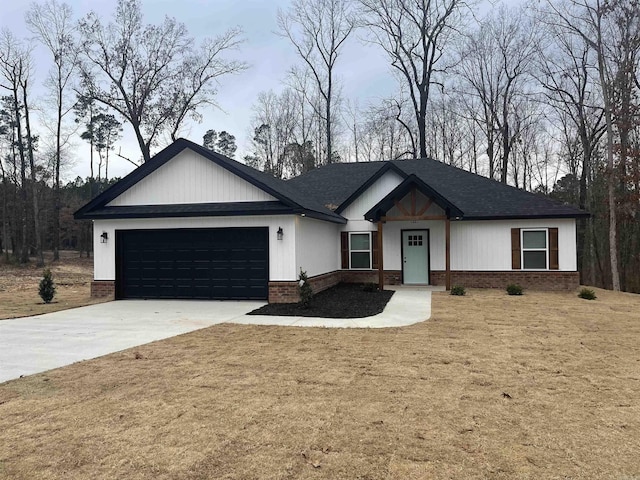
[495, 182]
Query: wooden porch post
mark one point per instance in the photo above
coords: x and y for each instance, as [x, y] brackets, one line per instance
[380, 261]
[448, 253]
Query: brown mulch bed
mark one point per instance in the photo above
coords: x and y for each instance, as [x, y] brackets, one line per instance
[345, 300]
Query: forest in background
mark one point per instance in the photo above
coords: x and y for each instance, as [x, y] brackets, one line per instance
[541, 96]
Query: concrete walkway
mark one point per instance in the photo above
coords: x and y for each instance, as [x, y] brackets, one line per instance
[35, 344]
[408, 305]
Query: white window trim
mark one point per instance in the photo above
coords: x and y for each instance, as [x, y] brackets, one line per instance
[370, 250]
[546, 250]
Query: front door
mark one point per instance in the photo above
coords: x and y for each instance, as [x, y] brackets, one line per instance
[415, 257]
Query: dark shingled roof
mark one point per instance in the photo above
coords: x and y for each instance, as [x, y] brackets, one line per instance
[333, 184]
[479, 198]
[325, 192]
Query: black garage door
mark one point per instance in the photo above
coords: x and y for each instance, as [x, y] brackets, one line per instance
[215, 263]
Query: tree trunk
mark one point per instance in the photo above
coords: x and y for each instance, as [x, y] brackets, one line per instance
[34, 184]
[328, 115]
[582, 202]
[24, 247]
[422, 124]
[506, 146]
[611, 183]
[5, 223]
[56, 185]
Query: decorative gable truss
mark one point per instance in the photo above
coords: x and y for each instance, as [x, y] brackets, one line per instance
[413, 200]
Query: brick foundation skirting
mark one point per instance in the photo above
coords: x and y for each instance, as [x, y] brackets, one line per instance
[103, 288]
[287, 292]
[548, 280]
[391, 277]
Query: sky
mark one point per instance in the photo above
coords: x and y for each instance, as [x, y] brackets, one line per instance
[362, 70]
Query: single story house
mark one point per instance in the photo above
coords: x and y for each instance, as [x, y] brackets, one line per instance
[191, 223]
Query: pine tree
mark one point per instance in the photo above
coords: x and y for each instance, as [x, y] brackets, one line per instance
[47, 289]
[306, 292]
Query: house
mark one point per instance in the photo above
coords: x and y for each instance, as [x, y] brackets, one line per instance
[194, 224]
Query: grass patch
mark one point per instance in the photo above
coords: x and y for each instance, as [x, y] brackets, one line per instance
[19, 286]
[488, 388]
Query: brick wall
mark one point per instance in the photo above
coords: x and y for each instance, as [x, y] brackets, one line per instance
[287, 292]
[103, 288]
[391, 277]
[324, 281]
[547, 280]
[283, 292]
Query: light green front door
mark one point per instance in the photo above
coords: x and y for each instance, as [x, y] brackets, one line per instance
[415, 257]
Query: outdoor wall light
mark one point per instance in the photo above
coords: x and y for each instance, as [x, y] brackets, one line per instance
[280, 233]
[104, 237]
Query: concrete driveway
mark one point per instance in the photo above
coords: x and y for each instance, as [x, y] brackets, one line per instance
[35, 344]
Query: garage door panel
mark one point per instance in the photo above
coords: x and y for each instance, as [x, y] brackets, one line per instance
[193, 263]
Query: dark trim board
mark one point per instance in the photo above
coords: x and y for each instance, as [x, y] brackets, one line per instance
[192, 263]
[192, 210]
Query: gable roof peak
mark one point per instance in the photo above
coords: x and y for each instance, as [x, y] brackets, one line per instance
[296, 201]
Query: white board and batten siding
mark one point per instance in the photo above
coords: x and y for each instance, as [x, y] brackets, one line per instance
[317, 246]
[190, 178]
[477, 245]
[486, 245]
[483, 245]
[354, 213]
[282, 258]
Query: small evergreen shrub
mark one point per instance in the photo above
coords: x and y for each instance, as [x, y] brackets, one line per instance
[306, 292]
[47, 288]
[370, 287]
[514, 289]
[587, 294]
[458, 290]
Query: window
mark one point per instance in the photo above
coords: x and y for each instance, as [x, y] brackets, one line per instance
[534, 249]
[360, 250]
[415, 240]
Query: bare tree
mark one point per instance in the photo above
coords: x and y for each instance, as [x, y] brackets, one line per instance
[53, 25]
[351, 118]
[415, 35]
[274, 123]
[565, 69]
[12, 68]
[15, 67]
[151, 75]
[592, 22]
[318, 29]
[387, 131]
[495, 69]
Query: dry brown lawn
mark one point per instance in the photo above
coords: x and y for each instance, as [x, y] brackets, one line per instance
[19, 286]
[540, 386]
